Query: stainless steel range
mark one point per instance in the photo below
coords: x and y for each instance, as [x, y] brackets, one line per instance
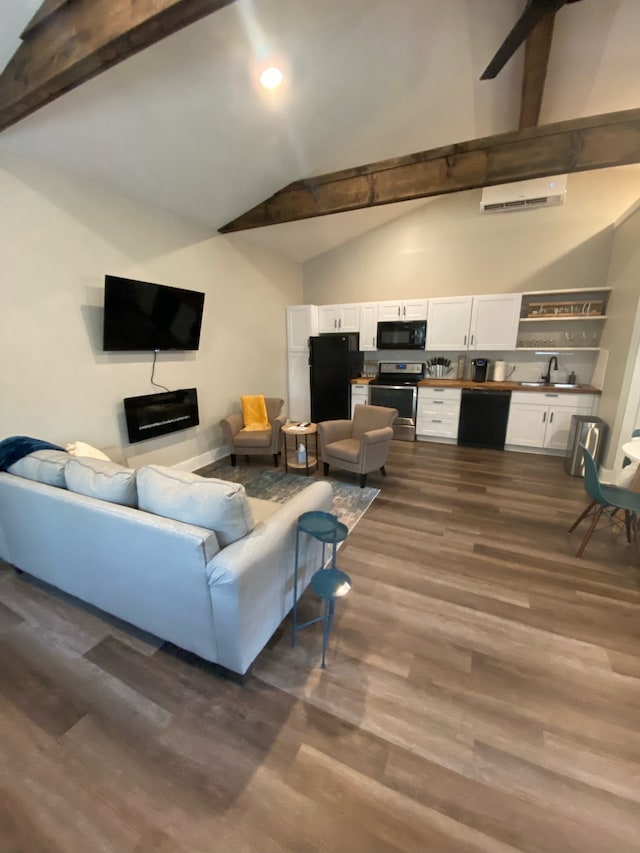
[397, 386]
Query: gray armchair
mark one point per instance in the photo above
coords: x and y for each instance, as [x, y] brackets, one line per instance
[360, 445]
[255, 442]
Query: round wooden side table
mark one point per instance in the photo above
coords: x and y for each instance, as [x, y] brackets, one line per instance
[300, 435]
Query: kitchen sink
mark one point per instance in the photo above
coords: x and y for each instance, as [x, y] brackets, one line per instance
[548, 385]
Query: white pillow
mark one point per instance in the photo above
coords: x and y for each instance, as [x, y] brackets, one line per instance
[107, 481]
[44, 466]
[204, 501]
[80, 448]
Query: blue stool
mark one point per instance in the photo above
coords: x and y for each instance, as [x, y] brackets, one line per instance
[326, 528]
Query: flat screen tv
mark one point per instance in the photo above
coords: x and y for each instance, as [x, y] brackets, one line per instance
[142, 316]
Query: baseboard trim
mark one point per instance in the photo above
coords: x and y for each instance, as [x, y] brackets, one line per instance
[608, 475]
[203, 459]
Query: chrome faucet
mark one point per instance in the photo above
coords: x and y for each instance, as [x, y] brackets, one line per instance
[547, 376]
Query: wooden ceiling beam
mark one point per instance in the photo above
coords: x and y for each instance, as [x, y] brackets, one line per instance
[536, 61]
[596, 142]
[70, 41]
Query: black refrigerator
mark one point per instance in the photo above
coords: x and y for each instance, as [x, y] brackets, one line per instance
[334, 360]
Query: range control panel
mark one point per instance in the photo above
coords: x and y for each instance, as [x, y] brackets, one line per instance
[407, 368]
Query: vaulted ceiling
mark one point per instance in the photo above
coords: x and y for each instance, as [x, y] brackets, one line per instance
[185, 126]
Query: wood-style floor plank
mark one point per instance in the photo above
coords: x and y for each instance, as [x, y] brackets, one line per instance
[482, 693]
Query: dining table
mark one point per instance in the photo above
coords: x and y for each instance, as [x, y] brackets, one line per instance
[632, 450]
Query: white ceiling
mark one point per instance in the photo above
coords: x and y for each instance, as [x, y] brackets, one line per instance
[184, 125]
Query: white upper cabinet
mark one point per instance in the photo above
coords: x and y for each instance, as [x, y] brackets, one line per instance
[302, 323]
[494, 321]
[474, 322]
[448, 321]
[408, 309]
[368, 325]
[339, 318]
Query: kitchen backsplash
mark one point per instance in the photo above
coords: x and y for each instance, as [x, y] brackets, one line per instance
[521, 366]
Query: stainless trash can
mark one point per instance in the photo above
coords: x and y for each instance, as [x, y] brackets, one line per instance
[587, 430]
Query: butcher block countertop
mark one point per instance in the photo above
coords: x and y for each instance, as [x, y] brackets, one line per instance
[495, 386]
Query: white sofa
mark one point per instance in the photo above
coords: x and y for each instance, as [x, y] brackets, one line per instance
[177, 580]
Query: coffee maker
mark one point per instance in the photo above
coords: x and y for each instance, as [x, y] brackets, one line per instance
[479, 367]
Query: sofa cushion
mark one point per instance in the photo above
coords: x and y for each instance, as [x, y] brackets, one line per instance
[81, 448]
[44, 466]
[348, 450]
[263, 510]
[207, 502]
[107, 481]
[253, 438]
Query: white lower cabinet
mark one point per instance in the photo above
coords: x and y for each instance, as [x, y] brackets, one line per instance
[359, 394]
[438, 412]
[544, 420]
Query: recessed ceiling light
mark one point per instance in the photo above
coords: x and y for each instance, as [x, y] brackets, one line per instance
[271, 77]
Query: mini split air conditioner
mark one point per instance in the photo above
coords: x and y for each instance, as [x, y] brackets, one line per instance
[524, 195]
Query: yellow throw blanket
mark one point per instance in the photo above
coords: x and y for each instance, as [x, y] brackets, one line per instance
[254, 413]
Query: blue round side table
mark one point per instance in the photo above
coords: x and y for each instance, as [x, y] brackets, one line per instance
[325, 527]
[328, 585]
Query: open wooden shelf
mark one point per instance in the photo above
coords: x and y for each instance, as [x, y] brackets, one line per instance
[555, 318]
[302, 466]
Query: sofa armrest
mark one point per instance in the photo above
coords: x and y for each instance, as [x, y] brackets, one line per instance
[276, 430]
[251, 581]
[374, 448]
[376, 436]
[231, 425]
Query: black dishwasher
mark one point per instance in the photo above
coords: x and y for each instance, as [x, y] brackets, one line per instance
[483, 418]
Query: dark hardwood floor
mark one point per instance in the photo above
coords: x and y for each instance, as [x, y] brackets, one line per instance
[482, 694]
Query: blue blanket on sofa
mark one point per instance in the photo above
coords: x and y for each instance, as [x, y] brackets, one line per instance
[17, 446]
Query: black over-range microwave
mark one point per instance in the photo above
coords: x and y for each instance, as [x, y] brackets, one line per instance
[397, 334]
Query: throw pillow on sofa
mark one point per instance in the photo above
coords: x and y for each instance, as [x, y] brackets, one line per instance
[214, 504]
[44, 466]
[81, 448]
[107, 481]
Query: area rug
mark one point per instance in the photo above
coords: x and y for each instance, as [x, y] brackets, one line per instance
[349, 502]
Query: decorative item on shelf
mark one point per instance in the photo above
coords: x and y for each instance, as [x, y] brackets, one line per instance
[562, 310]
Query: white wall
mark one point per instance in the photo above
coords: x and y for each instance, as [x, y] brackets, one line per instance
[447, 248]
[622, 336]
[60, 237]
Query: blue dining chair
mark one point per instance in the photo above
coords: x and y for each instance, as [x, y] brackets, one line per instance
[606, 500]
